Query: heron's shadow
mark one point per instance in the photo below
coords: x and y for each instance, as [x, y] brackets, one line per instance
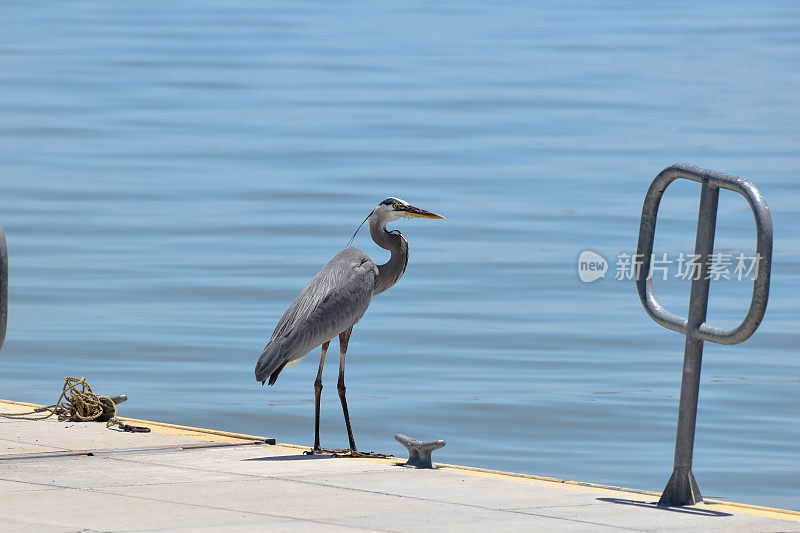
[290, 458]
[648, 505]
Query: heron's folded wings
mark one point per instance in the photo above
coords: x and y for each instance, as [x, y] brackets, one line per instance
[333, 301]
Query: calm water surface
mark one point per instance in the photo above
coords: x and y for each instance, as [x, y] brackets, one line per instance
[173, 174]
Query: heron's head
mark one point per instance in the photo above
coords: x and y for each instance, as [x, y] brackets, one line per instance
[395, 208]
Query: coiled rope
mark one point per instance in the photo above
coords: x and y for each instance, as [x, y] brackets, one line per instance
[77, 403]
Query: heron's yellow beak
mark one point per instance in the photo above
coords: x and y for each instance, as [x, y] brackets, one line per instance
[416, 212]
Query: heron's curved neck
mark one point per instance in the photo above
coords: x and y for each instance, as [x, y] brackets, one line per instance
[389, 273]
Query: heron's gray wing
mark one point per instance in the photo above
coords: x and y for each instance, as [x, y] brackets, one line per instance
[333, 301]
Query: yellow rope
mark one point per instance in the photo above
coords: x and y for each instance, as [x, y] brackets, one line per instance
[77, 403]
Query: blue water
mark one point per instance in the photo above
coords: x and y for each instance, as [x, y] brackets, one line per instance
[173, 174]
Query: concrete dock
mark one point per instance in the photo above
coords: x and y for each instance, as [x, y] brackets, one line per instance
[69, 476]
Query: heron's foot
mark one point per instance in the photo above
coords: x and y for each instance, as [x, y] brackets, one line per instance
[347, 453]
[326, 451]
[372, 455]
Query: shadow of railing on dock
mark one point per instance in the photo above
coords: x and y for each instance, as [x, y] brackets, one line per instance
[656, 507]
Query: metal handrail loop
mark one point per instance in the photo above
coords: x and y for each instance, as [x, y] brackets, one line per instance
[644, 283]
[682, 488]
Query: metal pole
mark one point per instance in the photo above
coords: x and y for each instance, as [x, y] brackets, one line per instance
[682, 488]
[3, 286]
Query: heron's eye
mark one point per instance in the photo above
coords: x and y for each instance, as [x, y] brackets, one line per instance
[394, 206]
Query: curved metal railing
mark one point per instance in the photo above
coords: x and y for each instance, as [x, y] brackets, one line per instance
[682, 488]
[712, 181]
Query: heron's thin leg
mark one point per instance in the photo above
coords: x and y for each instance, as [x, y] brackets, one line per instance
[318, 396]
[344, 338]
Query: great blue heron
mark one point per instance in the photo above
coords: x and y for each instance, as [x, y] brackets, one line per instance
[334, 301]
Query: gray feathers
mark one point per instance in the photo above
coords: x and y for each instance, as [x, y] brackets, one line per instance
[339, 295]
[334, 300]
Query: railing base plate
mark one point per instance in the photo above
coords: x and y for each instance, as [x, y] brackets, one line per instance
[681, 490]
